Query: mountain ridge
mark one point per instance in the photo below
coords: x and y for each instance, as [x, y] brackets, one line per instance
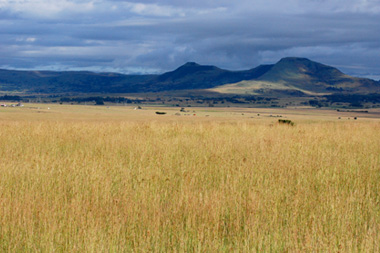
[289, 73]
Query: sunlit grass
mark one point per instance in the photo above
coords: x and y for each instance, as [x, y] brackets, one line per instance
[189, 186]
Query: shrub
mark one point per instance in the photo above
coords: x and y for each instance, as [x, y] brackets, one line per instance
[286, 121]
[99, 101]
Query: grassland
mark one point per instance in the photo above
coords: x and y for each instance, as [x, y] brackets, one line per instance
[96, 179]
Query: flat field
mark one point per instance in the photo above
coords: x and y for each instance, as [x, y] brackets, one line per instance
[101, 179]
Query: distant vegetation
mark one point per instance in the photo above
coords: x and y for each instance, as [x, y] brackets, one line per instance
[355, 100]
[337, 100]
[10, 98]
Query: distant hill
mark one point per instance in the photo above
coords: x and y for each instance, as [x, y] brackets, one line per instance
[51, 82]
[195, 76]
[291, 76]
[302, 75]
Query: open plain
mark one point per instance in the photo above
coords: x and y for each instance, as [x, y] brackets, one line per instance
[77, 178]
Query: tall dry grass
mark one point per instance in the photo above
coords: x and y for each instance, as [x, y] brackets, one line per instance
[156, 186]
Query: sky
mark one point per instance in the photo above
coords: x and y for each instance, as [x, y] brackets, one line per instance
[158, 36]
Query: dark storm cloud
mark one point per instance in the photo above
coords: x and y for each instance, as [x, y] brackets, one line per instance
[152, 36]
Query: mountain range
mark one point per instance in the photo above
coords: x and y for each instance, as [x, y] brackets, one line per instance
[290, 76]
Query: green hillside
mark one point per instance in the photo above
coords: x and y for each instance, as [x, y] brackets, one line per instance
[303, 75]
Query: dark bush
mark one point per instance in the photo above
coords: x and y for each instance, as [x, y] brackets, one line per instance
[99, 101]
[10, 98]
[286, 121]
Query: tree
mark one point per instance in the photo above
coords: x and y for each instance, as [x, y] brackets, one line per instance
[99, 101]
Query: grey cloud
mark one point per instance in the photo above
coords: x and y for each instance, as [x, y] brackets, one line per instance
[155, 36]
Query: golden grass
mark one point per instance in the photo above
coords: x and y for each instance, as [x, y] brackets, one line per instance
[127, 185]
